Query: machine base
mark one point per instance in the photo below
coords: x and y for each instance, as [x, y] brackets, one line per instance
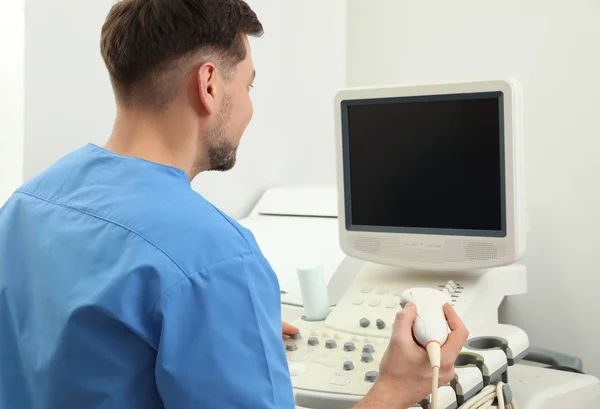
[533, 388]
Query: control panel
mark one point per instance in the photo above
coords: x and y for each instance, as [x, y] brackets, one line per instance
[340, 356]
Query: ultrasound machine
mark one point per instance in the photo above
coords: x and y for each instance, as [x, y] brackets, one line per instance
[430, 199]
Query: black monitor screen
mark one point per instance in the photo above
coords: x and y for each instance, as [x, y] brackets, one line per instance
[430, 165]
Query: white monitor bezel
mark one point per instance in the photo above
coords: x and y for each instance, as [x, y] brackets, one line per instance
[513, 242]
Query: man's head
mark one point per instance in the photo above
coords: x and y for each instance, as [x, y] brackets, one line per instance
[191, 54]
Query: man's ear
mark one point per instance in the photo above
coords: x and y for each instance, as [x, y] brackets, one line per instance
[208, 86]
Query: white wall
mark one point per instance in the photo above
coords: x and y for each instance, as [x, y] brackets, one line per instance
[12, 53]
[68, 97]
[300, 62]
[552, 48]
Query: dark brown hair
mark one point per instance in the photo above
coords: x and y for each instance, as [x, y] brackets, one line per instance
[148, 45]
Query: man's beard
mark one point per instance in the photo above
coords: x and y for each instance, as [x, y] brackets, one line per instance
[222, 155]
[221, 152]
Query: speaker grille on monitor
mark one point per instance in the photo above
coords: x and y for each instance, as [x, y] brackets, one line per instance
[369, 245]
[450, 251]
[477, 250]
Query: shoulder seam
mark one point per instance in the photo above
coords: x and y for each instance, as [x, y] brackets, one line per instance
[88, 213]
[232, 225]
[187, 279]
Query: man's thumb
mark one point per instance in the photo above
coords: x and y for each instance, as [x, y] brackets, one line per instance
[406, 318]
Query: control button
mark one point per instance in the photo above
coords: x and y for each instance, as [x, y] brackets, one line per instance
[365, 290]
[369, 349]
[382, 291]
[349, 346]
[449, 289]
[330, 344]
[452, 284]
[296, 336]
[291, 347]
[312, 341]
[364, 322]
[298, 369]
[358, 301]
[391, 304]
[339, 381]
[299, 358]
[371, 376]
[348, 366]
[380, 324]
[374, 303]
[366, 357]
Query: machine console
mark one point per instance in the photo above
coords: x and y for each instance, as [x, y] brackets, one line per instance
[341, 354]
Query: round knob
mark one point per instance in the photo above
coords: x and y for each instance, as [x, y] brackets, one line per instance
[368, 349]
[348, 366]
[349, 346]
[330, 344]
[291, 347]
[366, 357]
[312, 341]
[296, 336]
[371, 376]
[364, 322]
[380, 324]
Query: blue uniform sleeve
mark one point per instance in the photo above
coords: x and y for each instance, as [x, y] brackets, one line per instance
[219, 340]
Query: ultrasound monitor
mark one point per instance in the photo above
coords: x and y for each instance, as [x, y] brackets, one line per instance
[430, 176]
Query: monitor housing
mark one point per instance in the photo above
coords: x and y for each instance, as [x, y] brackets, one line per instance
[430, 176]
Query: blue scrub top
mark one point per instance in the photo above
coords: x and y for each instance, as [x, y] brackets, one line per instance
[121, 287]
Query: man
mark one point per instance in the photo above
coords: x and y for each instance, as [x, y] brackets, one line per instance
[120, 287]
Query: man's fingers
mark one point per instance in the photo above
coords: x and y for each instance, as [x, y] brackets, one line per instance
[458, 336]
[454, 321]
[289, 329]
[455, 343]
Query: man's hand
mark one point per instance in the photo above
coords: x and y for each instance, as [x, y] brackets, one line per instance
[289, 330]
[405, 373]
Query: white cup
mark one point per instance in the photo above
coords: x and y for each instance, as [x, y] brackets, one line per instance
[313, 289]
